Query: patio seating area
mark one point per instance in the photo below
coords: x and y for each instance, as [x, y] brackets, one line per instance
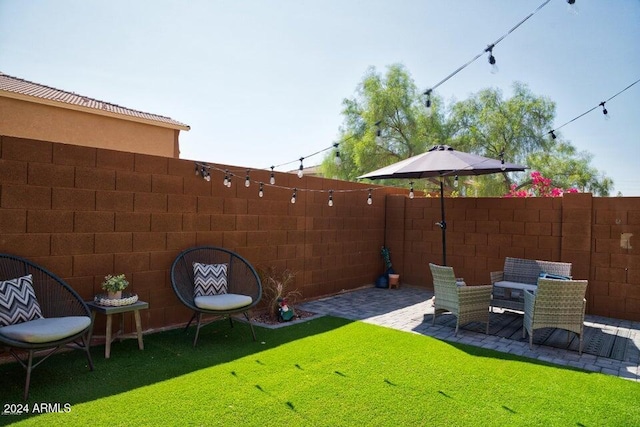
[611, 346]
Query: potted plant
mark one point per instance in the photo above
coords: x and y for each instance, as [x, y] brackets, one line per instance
[276, 287]
[114, 285]
[389, 274]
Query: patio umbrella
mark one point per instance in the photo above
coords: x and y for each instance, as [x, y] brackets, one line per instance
[441, 161]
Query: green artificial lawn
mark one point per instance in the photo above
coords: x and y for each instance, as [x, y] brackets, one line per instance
[324, 372]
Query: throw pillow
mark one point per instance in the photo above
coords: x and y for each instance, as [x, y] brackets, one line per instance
[544, 275]
[209, 279]
[18, 301]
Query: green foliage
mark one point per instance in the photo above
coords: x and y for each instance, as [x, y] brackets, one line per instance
[114, 283]
[486, 124]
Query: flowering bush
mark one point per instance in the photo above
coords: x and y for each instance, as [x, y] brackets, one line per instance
[540, 187]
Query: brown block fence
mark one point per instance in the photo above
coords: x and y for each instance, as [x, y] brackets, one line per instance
[85, 212]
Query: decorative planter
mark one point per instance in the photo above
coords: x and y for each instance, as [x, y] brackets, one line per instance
[114, 295]
[394, 280]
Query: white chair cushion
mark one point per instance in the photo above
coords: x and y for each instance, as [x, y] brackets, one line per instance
[222, 302]
[515, 285]
[46, 330]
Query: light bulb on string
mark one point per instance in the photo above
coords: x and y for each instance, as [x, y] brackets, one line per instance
[207, 176]
[247, 180]
[261, 190]
[330, 203]
[553, 134]
[455, 182]
[411, 193]
[300, 169]
[272, 178]
[572, 7]
[378, 132]
[607, 116]
[226, 178]
[229, 181]
[502, 165]
[427, 103]
[294, 195]
[492, 59]
[337, 160]
[370, 198]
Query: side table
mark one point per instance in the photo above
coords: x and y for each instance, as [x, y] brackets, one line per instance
[109, 312]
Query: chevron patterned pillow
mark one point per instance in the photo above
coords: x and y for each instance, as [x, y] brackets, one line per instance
[18, 301]
[209, 279]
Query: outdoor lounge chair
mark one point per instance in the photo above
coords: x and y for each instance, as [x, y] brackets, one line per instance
[39, 313]
[467, 303]
[555, 304]
[214, 281]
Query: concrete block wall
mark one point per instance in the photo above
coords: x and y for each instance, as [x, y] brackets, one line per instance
[84, 213]
[597, 235]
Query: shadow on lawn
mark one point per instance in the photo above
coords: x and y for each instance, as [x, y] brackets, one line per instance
[65, 377]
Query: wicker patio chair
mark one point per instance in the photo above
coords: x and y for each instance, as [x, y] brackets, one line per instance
[556, 304]
[241, 287]
[467, 303]
[39, 315]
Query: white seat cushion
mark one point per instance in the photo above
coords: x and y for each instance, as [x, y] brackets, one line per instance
[46, 329]
[515, 285]
[222, 302]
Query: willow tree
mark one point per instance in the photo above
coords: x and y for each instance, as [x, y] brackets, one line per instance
[387, 121]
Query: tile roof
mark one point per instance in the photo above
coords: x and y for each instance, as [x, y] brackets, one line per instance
[26, 88]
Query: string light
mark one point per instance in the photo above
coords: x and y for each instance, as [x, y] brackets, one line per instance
[300, 169]
[604, 110]
[572, 7]
[455, 182]
[378, 131]
[553, 134]
[337, 160]
[475, 58]
[492, 59]
[294, 196]
[427, 103]
[229, 180]
[247, 180]
[370, 198]
[411, 193]
[272, 178]
[330, 203]
[202, 169]
[502, 165]
[226, 178]
[261, 190]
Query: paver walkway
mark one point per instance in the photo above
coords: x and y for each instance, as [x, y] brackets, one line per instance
[611, 346]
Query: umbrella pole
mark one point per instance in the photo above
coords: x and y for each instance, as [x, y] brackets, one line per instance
[443, 224]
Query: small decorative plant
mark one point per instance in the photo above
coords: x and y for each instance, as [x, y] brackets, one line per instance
[114, 285]
[276, 287]
[386, 256]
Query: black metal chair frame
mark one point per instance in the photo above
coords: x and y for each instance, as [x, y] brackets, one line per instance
[242, 278]
[56, 299]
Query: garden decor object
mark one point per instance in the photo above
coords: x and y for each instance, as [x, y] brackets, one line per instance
[114, 285]
[441, 161]
[39, 313]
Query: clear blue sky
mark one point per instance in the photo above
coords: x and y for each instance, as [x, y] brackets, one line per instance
[261, 82]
